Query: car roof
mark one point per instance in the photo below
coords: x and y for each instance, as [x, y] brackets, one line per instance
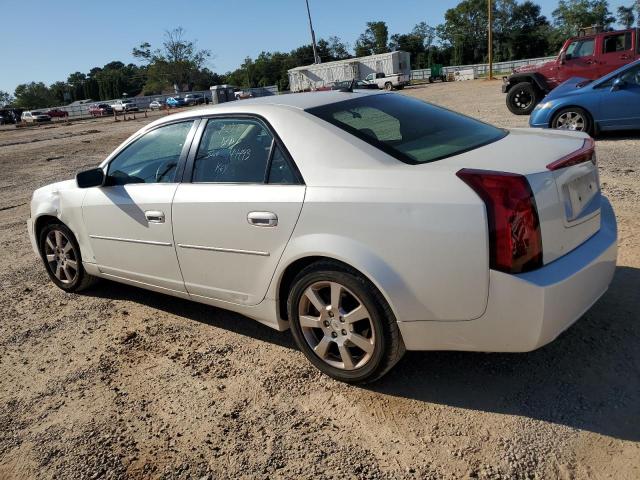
[301, 101]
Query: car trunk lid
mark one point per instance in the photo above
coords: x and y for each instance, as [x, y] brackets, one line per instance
[563, 180]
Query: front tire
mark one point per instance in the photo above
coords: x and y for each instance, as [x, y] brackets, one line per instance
[342, 323]
[522, 98]
[60, 253]
[388, 86]
[572, 118]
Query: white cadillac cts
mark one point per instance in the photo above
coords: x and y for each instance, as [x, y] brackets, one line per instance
[368, 223]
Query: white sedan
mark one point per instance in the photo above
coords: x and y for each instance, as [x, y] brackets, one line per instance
[369, 223]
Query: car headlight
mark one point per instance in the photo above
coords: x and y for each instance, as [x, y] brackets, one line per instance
[542, 106]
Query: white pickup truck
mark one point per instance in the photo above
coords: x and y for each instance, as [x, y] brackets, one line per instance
[388, 82]
[124, 106]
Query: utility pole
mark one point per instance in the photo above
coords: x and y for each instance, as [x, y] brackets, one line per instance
[316, 58]
[490, 12]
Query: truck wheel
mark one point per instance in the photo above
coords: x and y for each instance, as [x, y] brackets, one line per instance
[522, 98]
[572, 118]
[388, 86]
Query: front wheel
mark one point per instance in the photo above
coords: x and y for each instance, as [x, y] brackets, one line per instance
[342, 323]
[572, 118]
[60, 253]
[522, 98]
[388, 86]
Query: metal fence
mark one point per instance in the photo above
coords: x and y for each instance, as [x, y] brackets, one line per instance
[481, 68]
[80, 109]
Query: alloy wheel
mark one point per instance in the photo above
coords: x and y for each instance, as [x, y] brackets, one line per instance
[61, 256]
[571, 121]
[336, 325]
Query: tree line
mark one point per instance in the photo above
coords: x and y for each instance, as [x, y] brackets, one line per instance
[519, 31]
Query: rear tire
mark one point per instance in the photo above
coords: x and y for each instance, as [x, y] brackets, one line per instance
[62, 259]
[388, 86]
[573, 118]
[522, 98]
[356, 341]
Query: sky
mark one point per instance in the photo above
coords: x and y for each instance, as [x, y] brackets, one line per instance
[57, 37]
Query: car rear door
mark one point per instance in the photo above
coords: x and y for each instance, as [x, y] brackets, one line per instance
[615, 51]
[236, 209]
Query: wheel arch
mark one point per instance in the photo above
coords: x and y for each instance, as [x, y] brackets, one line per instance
[533, 78]
[559, 108]
[352, 255]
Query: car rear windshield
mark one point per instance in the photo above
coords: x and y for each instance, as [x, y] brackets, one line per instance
[408, 129]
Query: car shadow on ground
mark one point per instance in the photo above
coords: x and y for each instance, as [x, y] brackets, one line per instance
[617, 135]
[191, 310]
[589, 378]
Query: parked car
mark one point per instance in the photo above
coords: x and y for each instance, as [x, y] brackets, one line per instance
[589, 56]
[100, 109]
[155, 105]
[35, 117]
[194, 99]
[57, 113]
[242, 94]
[367, 222]
[347, 84]
[6, 118]
[175, 102]
[609, 103]
[388, 82]
[124, 106]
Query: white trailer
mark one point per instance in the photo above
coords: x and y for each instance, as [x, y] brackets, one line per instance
[314, 77]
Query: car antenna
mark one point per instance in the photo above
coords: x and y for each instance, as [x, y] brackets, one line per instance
[350, 88]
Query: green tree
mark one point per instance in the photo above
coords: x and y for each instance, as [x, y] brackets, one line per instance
[417, 43]
[626, 18]
[572, 15]
[176, 63]
[34, 95]
[373, 40]
[464, 31]
[5, 98]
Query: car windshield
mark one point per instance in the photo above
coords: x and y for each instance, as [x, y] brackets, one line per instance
[408, 129]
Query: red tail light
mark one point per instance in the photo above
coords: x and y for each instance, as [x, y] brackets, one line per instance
[586, 153]
[515, 243]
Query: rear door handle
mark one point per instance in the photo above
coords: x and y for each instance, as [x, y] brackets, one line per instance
[154, 216]
[262, 219]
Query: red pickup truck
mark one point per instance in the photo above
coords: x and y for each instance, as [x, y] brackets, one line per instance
[587, 56]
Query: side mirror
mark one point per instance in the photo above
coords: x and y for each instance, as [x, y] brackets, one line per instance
[90, 178]
[618, 83]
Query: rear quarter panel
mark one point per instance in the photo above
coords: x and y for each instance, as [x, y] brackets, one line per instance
[425, 248]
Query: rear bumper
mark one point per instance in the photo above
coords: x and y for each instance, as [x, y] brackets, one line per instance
[529, 310]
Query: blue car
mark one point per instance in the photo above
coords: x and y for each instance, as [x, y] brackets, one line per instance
[611, 102]
[174, 102]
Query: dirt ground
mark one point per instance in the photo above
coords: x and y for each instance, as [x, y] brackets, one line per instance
[123, 383]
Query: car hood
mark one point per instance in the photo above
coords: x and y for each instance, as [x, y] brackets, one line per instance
[574, 85]
[56, 187]
[533, 67]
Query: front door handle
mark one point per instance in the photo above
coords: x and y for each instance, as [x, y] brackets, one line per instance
[262, 219]
[154, 216]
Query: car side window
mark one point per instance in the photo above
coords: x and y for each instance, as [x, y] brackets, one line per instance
[580, 48]
[233, 151]
[631, 76]
[617, 43]
[281, 172]
[152, 158]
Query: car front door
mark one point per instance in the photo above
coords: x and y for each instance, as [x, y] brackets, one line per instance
[129, 219]
[620, 106]
[233, 219]
[579, 60]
